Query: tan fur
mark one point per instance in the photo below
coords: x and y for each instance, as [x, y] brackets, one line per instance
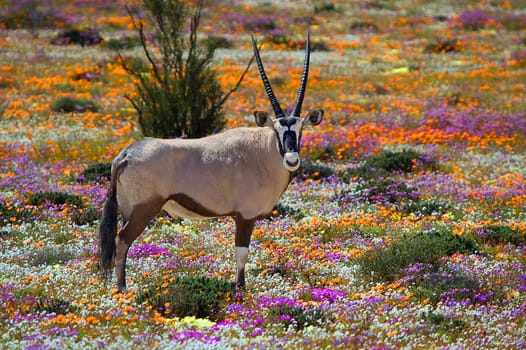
[239, 171]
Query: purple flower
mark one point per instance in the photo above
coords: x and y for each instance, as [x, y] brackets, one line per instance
[145, 250]
[184, 336]
[473, 19]
[373, 299]
[324, 294]
[257, 332]
[286, 318]
[268, 302]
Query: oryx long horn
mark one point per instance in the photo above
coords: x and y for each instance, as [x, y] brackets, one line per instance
[301, 93]
[268, 88]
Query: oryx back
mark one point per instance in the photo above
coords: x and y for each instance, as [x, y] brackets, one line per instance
[237, 172]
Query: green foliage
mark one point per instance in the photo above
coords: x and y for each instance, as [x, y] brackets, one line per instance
[278, 39]
[82, 37]
[202, 297]
[426, 207]
[313, 171]
[95, 172]
[297, 316]
[500, 235]
[424, 247]
[330, 232]
[63, 237]
[12, 214]
[218, 42]
[324, 6]
[282, 270]
[123, 43]
[27, 14]
[437, 287]
[444, 323]
[55, 306]
[51, 256]
[179, 95]
[56, 198]
[388, 162]
[85, 216]
[282, 210]
[364, 26]
[70, 104]
[442, 45]
[378, 191]
[135, 65]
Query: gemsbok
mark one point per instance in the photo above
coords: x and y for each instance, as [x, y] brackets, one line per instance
[241, 172]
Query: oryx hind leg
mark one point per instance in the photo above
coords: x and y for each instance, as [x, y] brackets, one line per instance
[140, 217]
[244, 230]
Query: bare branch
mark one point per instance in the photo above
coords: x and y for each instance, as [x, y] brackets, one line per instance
[139, 27]
[234, 89]
[194, 24]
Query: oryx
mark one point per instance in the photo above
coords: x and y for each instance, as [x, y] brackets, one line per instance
[241, 173]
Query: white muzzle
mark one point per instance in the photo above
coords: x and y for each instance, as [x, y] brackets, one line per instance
[291, 161]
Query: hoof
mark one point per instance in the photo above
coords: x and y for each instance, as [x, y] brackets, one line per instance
[239, 287]
[239, 292]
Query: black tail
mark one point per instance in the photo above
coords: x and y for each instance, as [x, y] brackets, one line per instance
[108, 232]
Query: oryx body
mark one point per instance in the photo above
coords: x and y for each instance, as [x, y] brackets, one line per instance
[241, 173]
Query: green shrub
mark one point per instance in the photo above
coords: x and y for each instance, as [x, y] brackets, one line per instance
[29, 14]
[48, 255]
[500, 235]
[364, 26]
[297, 316]
[218, 42]
[82, 37]
[388, 162]
[55, 306]
[324, 6]
[180, 94]
[63, 238]
[282, 210]
[134, 64]
[426, 207]
[71, 104]
[123, 43]
[85, 216]
[10, 213]
[378, 191]
[56, 198]
[95, 172]
[444, 323]
[437, 287]
[424, 247]
[202, 297]
[442, 45]
[313, 171]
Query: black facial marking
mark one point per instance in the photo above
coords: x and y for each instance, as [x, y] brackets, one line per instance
[293, 164]
[290, 143]
[288, 122]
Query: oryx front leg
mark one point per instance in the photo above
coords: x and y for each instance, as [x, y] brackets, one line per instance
[241, 260]
[243, 233]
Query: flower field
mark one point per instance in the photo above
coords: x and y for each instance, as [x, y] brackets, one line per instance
[405, 228]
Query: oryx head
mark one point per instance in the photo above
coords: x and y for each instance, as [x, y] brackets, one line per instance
[287, 128]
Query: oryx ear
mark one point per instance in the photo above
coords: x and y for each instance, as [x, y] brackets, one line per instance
[314, 117]
[262, 118]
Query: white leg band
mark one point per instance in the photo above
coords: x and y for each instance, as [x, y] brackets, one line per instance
[241, 257]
